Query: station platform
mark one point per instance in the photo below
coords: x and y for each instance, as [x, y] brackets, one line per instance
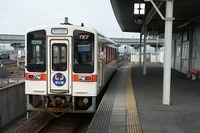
[133, 103]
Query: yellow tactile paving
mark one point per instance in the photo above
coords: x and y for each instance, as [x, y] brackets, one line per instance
[133, 122]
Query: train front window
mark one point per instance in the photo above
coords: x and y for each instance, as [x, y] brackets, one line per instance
[36, 51]
[59, 57]
[83, 52]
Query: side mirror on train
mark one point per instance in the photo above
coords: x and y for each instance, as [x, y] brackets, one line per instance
[26, 67]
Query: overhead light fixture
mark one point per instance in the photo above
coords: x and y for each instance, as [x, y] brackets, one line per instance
[139, 8]
[139, 20]
[139, 11]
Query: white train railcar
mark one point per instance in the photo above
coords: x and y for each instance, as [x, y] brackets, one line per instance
[66, 68]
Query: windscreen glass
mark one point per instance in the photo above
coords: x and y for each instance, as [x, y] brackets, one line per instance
[36, 51]
[83, 54]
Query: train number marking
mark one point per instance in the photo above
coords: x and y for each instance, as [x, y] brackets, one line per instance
[83, 37]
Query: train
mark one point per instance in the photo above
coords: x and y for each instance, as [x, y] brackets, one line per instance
[67, 67]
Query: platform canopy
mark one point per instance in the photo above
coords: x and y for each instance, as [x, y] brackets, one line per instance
[185, 11]
[156, 17]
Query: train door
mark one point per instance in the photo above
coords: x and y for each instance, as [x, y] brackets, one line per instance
[101, 66]
[59, 66]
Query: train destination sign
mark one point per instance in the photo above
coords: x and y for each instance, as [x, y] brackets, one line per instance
[59, 31]
[36, 42]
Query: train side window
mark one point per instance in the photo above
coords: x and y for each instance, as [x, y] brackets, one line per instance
[106, 54]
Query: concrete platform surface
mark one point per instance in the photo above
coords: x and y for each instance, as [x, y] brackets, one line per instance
[181, 116]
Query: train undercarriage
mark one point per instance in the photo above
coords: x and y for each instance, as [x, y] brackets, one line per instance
[66, 104]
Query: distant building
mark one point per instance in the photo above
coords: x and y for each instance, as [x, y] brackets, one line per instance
[19, 56]
[4, 56]
[11, 66]
[14, 61]
[4, 77]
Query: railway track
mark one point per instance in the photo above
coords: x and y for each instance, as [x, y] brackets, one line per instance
[45, 123]
[68, 123]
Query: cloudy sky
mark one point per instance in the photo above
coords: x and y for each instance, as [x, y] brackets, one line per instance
[17, 16]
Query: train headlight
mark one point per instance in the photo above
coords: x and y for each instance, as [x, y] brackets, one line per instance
[34, 77]
[88, 78]
[84, 78]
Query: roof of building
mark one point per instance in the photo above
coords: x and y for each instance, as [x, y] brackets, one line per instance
[7, 61]
[4, 73]
[4, 56]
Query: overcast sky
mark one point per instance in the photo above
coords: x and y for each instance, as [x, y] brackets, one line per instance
[16, 16]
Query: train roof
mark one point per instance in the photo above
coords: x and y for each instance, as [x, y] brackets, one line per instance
[61, 26]
[48, 28]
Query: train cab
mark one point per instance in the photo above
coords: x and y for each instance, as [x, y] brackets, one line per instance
[63, 68]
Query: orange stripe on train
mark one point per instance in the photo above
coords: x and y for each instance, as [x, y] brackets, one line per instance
[77, 76]
[43, 76]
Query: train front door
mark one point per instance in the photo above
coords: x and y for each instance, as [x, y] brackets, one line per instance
[59, 66]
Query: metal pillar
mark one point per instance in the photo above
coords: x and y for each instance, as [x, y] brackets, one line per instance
[145, 47]
[140, 55]
[190, 46]
[156, 51]
[168, 48]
